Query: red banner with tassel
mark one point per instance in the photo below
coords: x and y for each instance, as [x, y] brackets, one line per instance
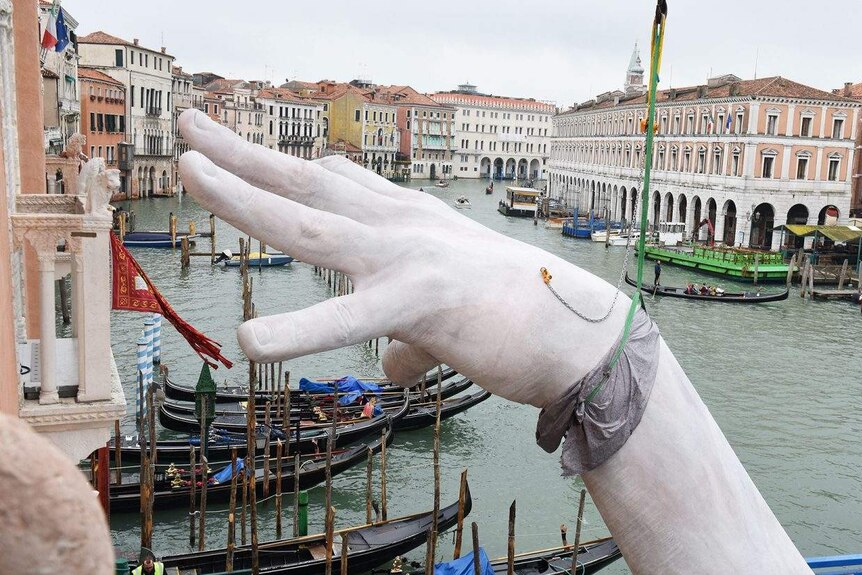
[132, 290]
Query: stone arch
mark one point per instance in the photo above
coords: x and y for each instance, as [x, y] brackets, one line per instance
[762, 222]
[797, 214]
[668, 203]
[828, 216]
[711, 210]
[510, 169]
[151, 181]
[623, 198]
[498, 169]
[535, 169]
[682, 208]
[656, 208]
[729, 211]
[522, 169]
[485, 167]
[696, 212]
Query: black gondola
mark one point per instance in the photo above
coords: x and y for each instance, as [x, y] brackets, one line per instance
[729, 297]
[425, 414]
[303, 404]
[368, 546]
[593, 556]
[352, 430]
[235, 393]
[127, 497]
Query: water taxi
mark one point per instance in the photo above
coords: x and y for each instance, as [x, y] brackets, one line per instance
[519, 202]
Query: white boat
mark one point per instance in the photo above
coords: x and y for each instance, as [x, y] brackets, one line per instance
[620, 240]
[556, 223]
[462, 202]
[602, 235]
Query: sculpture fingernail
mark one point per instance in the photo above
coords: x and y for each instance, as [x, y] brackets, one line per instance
[201, 121]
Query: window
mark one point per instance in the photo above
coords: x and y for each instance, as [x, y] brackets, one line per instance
[357, 117]
[739, 116]
[716, 162]
[100, 121]
[118, 57]
[701, 161]
[92, 121]
[837, 125]
[676, 124]
[704, 124]
[771, 124]
[689, 125]
[802, 167]
[768, 162]
[122, 120]
[734, 168]
[833, 169]
[805, 126]
[686, 162]
[131, 56]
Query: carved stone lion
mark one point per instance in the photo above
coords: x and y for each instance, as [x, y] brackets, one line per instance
[98, 184]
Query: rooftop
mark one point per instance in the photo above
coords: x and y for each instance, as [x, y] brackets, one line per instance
[85, 73]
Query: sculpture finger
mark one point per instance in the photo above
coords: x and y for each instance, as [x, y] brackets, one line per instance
[288, 176]
[404, 363]
[313, 236]
[331, 324]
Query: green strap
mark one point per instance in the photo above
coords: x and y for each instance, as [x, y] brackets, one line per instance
[658, 40]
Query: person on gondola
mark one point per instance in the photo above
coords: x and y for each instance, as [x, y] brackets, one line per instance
[704, 290]
[148, 564]
[690, 289]
[657, 272]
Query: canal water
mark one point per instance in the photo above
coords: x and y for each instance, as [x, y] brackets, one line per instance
[783, 381]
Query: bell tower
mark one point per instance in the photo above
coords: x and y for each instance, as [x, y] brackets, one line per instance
[635, 73]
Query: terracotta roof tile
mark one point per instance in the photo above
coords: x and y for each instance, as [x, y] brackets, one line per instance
[94, 74]
[483, 99]
[774, 86]
[399, 95]
[100, 37]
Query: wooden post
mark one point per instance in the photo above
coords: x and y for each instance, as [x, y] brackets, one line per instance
[368, 470]
[212, 238]
[578, 531]
[255, 558]
[563, 531]
[123, 223]
[103, 479]
[459, 526]
[151, 416]
[477, 568]
[244, 503]
[330, 521]
[204, 479]
[295, 489]
[329, 446]
[267, 422]
[231, 517]
[811, 282]
[789, 280]
[147, 493]
[184, 252]
[344, 550]
[429, 553]
[278, 465]
[118, 459]
[436, 517]
[511, 547]
[803, 281]
[383, 475]
[843, 277]
[172, 223]
[192, 495]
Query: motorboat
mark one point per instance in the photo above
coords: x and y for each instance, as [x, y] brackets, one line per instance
[462, 202]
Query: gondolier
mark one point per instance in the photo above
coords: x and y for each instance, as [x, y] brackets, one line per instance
[148, 564]
[657, 272]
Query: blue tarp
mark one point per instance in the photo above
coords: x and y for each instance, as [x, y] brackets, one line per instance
[464, 565]
[349, 386]
[224, 475]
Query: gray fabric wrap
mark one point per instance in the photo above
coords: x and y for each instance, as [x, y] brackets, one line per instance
[594, 431]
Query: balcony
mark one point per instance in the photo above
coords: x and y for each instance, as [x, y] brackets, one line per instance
[153, 111]
[70, 383]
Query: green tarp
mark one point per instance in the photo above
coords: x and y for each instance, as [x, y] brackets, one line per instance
[835, 233]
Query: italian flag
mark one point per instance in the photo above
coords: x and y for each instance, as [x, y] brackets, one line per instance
[49, 37]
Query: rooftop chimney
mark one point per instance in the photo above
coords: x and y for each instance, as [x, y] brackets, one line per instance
[135, 41]
[847, 90]
[164, 50]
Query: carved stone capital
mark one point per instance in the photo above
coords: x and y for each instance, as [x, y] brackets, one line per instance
[6, 14]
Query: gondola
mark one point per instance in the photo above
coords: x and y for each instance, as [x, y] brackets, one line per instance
[351, 430]
[127, 497]
[425, 414]
[728, 297]
[240, 393]
[301, 404]
[593, 556]
[368, 546]
[156, 239]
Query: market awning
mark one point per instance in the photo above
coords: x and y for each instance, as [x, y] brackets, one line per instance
[834, 233]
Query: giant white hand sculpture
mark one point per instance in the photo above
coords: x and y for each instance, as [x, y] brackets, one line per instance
[448, 290]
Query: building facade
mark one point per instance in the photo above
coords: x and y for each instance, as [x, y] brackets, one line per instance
[147, 77]
[426, 131]
[747, 155]
[60, 89]
[103, 111]
[499, 137]
[291, 124]
[185, 95]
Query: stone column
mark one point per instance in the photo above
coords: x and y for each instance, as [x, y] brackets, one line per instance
[46, 250]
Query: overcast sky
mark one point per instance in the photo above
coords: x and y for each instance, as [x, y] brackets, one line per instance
[561, 51]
